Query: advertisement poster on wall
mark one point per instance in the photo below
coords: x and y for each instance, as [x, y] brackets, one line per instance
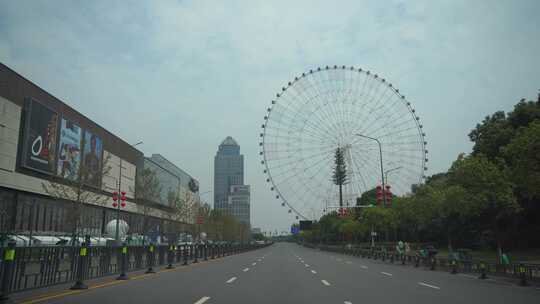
[92, 155]
[69, 152]
[39, 150]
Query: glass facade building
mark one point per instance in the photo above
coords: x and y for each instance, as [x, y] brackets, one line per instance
[228, 173]
[171, 178]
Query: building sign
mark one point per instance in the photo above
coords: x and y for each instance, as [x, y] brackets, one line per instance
[193, 186]
[69, 152]
[92, 157]
[40, 140]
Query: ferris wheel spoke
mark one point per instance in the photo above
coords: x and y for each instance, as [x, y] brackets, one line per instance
[395, 123]
[374, 88]
[360, 172]
[313, 130]
[372, 119]
[327, 96]
[312, 99]
[364, 163]
[290, 177]
[328, 153]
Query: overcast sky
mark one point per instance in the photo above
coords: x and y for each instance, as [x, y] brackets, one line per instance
[183, 75]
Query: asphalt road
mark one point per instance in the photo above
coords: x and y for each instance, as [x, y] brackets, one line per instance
[288, 273]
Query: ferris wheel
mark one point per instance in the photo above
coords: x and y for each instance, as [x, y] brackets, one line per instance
[355, 110]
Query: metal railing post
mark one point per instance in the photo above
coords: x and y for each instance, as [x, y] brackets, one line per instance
[170, 257]
[196, 253]
[454, 267]
[482, 271]
[7, 271]
[123, 262]
[81, 263]
[185, 254]
[150, 257]
[522, 275]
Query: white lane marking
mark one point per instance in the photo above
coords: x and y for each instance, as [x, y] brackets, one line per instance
[307, 265]
[245, 269]
[313, 271]
[386, 273]
[259, 260]
[427, 285]
[253, 264]
[468, 276]
[202, 300]
[364, 266]
[339, 260]
[231, 280]
[349, 262]
[325, 282]
[347, 302]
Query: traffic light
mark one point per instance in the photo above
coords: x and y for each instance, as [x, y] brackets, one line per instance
[342, 212]
[379, 194]
[388, 195]
[115, 198]
[123, 198]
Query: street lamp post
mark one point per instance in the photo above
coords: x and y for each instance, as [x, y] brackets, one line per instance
[390, 170]
[123, 204]
[380, 155]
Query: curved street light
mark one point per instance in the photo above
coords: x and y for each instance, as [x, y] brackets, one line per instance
[380, 154]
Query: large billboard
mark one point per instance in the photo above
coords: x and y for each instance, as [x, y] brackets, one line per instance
[40, 140]
[92, 157]
[69, 151]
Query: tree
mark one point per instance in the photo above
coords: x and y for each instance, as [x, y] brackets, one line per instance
[368, 198]
[489, 192]
[523, 158]
[489, 136]
[186, 205]
[339, 176]
[258, 237]
[79, 191]
[147, 191]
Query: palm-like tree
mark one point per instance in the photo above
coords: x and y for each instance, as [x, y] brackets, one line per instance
[339, 176]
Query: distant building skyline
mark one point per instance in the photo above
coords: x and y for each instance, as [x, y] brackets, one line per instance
[229, 173]
[239, 203]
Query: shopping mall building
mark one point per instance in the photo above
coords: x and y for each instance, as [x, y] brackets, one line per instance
[48, 151]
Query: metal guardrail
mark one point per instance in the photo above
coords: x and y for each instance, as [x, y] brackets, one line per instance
[24, 268]
[524, 272]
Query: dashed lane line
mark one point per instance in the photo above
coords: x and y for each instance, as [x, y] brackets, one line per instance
[347, 302]
[231, 280]
[307, 265]
[428, 285]
[313, 271]
[253, 264]
[349, 262]
[325, 282]
[245, 270]
[202, 300]
[386, 273]
[364, 266]
[467, 275]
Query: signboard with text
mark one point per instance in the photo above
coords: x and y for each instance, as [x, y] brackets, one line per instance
[40, 138]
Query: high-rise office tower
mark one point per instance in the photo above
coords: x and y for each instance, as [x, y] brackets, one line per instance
[229, 172]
